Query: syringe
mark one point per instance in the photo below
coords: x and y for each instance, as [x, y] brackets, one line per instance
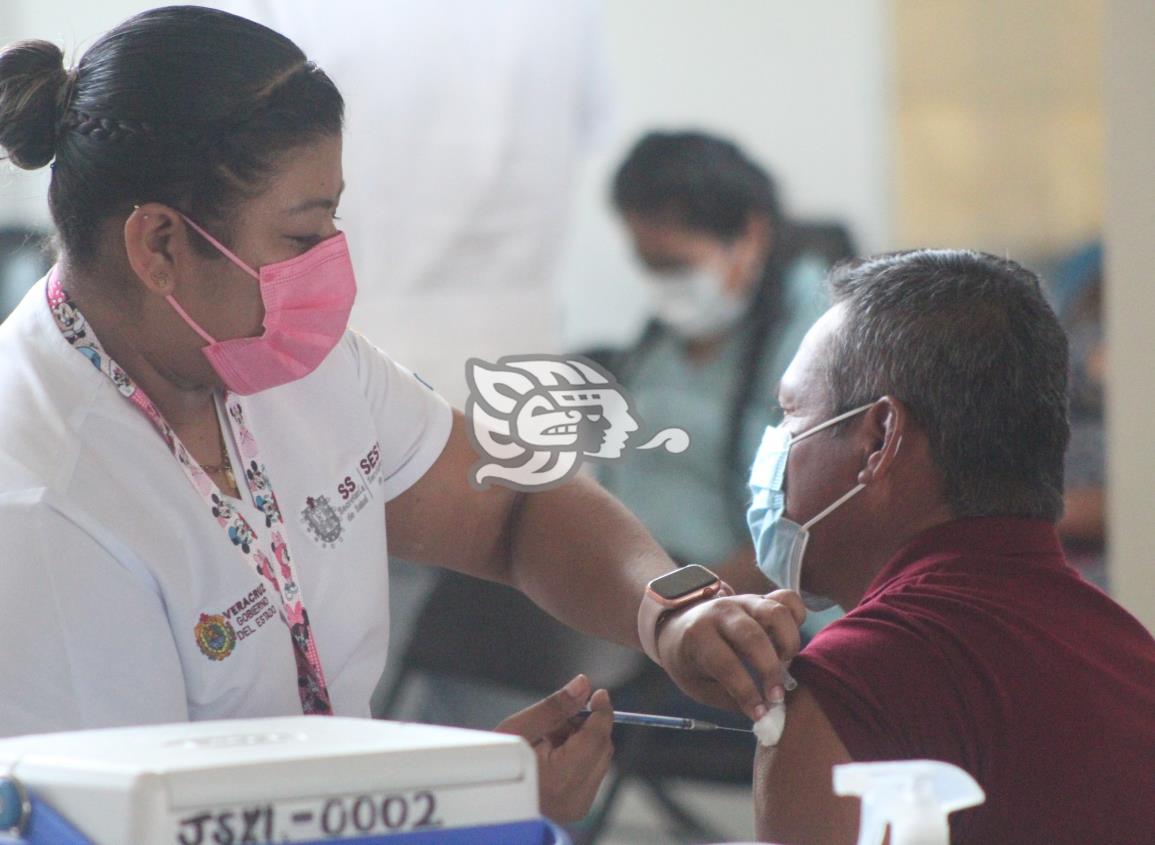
[677, 723]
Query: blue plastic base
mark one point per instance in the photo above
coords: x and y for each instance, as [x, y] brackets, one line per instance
[536, 832]
[47, 827]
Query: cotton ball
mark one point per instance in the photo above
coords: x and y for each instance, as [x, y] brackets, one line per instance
[769, 728]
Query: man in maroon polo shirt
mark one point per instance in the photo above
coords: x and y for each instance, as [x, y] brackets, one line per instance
[968, 638]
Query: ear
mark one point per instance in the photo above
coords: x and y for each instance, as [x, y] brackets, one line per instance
[149, 236]
[885, 424]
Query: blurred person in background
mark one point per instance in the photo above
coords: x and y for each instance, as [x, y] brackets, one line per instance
[734, 285]
[468, 122]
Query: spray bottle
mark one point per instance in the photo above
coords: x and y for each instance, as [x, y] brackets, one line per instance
[913, 797]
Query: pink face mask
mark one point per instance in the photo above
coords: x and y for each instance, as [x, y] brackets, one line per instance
[307, 302]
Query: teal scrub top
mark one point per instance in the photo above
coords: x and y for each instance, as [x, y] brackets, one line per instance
[687, 501]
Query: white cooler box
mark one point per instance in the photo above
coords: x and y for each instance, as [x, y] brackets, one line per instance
[293, 780]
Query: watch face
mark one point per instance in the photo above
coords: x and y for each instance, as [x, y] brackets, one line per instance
[682, 582]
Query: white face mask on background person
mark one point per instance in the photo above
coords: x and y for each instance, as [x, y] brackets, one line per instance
[779, 542]
[694, 303]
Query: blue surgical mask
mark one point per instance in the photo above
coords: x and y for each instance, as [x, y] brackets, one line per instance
[780, 543]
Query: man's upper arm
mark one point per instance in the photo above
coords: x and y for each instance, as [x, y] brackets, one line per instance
[890, 681]
[794, 799]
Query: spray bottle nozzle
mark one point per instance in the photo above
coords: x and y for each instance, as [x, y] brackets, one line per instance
[913, 797]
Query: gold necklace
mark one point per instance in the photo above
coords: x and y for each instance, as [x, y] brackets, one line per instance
[225, 467]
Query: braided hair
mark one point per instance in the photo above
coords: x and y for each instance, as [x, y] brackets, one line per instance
[182, 105]
[708, 184]
[109, 129]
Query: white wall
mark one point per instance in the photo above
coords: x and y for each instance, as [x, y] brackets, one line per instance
[803, 86]
[72, 25]
[1130, 66]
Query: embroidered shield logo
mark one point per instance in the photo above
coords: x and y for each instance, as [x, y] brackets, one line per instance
[321, 519]
[215, 636]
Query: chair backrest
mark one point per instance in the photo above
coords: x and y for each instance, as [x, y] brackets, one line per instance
[479, 631]
[827, 238]
[23, 261]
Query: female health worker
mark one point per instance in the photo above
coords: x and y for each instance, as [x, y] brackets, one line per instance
[200, 465]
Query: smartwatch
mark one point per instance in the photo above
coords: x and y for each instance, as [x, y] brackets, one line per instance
[673, 591]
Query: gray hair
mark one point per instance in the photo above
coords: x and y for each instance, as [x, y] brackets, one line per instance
[967, 341]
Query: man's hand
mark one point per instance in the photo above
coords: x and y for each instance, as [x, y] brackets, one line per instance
[572, 756]
[730, 652]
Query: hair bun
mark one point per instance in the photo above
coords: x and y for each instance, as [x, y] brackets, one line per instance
[33, 86]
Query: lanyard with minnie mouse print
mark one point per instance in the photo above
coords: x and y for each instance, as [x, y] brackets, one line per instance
[269, 556]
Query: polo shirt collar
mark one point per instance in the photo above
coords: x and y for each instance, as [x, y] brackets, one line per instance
[974, 537]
